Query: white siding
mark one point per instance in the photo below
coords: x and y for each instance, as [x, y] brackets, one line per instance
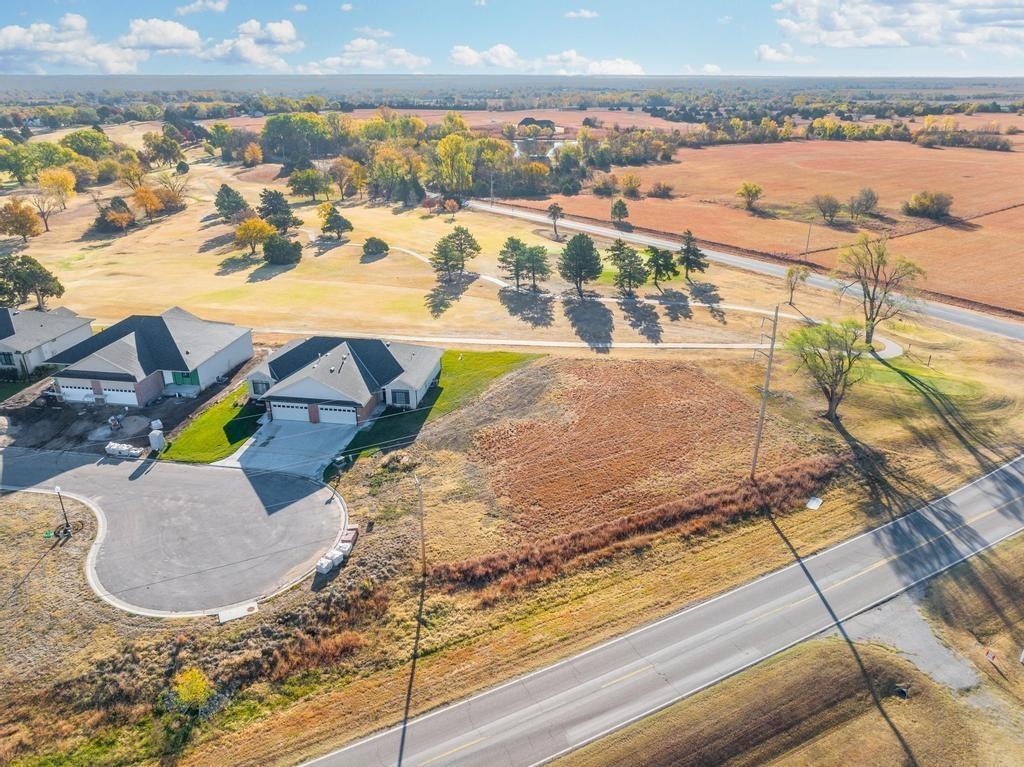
[231, 356]
[415, 395]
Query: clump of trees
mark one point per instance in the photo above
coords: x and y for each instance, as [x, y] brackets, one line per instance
[332, 222]
[828, 206]
[252, 233]
[864, 203]
[661, 190]
[631, 269]
[280, 250]
[275, 210]
[309, 183]
[524, 262]
[114, 216]
[925, 204]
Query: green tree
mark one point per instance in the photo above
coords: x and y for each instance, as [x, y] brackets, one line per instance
[219, 133]
[295, 138]
[332, 222]
[884, 282]
[281, 250]
[631, 269]
[88, 143]
[309, 182]
[444, 258]
[253, 232]
[750, 194]
[21, 161]
[192, 689]
[465, 244]
[375, 246]
[162, 149]
[555, 212]
[864, 203]
[662, 264]
[22, 276]
[619, 211]
[275, 210]
[830, 353]
[536, 264]
[795, 277]
[229, 202]
[934, 205]
[828, 206]
[691, 258]
[580, 262]
[453, 169]
[511, 259]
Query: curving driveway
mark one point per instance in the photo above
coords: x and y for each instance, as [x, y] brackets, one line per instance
[181, 540]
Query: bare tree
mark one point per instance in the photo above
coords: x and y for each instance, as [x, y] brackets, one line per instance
[885, 282]
[795, 277]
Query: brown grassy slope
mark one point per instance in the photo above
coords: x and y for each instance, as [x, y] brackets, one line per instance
[808, 706]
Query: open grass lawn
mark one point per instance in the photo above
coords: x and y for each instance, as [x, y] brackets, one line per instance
[10, 388]
[218, 431]
[808, 706]
[464, 375]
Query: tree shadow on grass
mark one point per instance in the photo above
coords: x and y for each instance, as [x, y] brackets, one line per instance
[369, 258]
[322, 245]
[11, 245]
[706, 293]
[591, 320]
[675, 304]
[237, 263]
[642, 317]
[269, 272]
[535, 309]
[219, 241]
[445, 293]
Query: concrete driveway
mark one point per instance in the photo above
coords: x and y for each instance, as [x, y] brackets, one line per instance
[292, 447]
[178, 539]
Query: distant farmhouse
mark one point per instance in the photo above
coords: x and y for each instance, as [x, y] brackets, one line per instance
[30, 338]
[143, 357]
[343, 380]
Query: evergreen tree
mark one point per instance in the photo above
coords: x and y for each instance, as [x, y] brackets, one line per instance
[536, 264]
[691, 258]
[662, 265]
[229, 201]
[512, 259]
[632, 271]
[580, 262]
[275, 210]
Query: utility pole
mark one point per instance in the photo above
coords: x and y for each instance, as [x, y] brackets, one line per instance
[423, 535]
[764, 392]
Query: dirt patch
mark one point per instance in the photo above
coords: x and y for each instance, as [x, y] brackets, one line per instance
[617, 438]
[261, 174]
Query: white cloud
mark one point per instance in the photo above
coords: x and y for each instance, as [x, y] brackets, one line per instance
[783, 54]
[300, 8]
[994, 25]
[582, 13]
[258, 44]
[724, 20]
[346, 7]
[480, 3]
[217, 6]
[366, 53]
[711, 69]
[66, 44]
[502, 56]
[160, 36]
[373, 32]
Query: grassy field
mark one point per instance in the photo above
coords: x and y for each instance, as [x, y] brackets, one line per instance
[808, 706]
[217, 431]
[10, 388]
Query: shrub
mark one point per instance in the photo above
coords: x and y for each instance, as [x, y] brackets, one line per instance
[606, 184]
[181, 168]
[107, 170]
[85, 171]
[570, 187]
[375, 246]
[934, 205]
[660, 189]
[280, 250]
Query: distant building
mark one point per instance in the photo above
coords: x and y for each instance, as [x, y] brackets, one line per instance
[30, 338]
[343, 381]
[143, 357]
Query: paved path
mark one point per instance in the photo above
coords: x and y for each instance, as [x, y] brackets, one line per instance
[965, 317]
[184, 540]
[555, 710]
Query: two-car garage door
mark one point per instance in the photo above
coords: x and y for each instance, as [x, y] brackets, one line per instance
[293, 411]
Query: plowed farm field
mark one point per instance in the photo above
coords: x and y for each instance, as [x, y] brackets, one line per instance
[617, 437]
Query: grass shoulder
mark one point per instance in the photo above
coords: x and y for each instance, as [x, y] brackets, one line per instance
[218, 431]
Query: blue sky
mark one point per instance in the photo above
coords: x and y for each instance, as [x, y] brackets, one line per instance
[655, 37]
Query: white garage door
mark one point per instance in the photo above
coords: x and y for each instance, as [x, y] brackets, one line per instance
[120, 395]
[337, 414]
[288, 411]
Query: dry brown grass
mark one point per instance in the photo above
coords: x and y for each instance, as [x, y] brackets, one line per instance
[809, 706]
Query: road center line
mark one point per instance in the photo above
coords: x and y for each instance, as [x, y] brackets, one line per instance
[455, 750]
[630, 675]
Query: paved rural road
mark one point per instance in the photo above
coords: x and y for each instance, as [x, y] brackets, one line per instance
[181, 540]
[555, 710]
[945, 312]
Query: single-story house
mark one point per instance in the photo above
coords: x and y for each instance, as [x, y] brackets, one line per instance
[30, 338]
[343, 380]
[143, 357]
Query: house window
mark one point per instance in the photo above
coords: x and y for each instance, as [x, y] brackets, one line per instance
[399, 397]
[259, 388]
[7, 359]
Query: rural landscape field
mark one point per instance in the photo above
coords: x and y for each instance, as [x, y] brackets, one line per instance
[431, 399]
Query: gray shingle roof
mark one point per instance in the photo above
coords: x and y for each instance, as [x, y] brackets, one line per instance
[23, 331]
[141, 344]
[346, 370]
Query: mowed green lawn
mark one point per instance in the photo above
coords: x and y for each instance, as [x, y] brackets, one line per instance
[218, 431]
[464, 375]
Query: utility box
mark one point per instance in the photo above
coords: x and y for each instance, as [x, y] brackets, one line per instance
[156, 440]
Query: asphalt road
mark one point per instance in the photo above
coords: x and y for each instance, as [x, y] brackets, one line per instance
[177, 539]
[555, 710]
[953, 314]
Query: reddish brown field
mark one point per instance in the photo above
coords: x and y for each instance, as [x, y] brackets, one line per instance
[674, 432]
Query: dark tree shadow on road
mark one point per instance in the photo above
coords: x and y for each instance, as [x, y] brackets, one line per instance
[706, 293]
[447, 292]
[675, 304]
[591, 320]
[869, 683]
[642, 317]
[535, 309]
